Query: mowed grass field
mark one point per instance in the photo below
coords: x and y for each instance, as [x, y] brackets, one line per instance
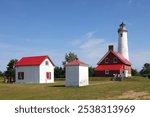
[99, 89]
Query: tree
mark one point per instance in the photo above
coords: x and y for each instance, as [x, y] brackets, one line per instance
[59, 72]
[1, 74]
[146, 69]
[69, 57]
[134, 72]
[10, 73]
[91, 71]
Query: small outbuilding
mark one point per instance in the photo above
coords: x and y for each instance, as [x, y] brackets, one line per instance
[77, 73]
[35, 69]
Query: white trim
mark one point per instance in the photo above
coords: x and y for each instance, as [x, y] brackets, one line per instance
[113, 52]
[106, 72]
[115, 60]
[103, 57]
[106, 60]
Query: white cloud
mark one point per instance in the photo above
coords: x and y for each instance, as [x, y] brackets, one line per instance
[91, 43]
[90, 34]
[82, 38]
[10, 51]
[91, 49]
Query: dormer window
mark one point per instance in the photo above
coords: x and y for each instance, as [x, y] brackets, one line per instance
[106, 60]
[115, 60]
[46, 63]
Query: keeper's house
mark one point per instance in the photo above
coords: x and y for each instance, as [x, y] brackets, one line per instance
[35, 69]
[113, 63]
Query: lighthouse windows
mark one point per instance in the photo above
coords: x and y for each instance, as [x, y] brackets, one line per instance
[121, 35]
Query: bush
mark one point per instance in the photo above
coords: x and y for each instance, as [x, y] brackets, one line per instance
[1, 74]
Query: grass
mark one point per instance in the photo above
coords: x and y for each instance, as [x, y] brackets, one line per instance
[99, 89]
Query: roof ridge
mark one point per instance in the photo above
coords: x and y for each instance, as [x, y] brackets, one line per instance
[76, 62]
[125, 61]
[117, 53]
[35, 56]
[33, 60]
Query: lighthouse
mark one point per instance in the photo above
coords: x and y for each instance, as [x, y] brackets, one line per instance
[123, 41]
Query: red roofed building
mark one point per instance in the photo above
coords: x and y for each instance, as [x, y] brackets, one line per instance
[113, 63]
[35, 69]
[76, 62]
[77, 73]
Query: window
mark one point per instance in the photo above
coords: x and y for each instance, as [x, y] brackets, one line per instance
[115, 60]
[20, 75]
[46, 63]
[106, 71]
[48, 75]
[106, 60]
[121, 35]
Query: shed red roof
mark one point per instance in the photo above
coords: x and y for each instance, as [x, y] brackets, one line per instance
[109, 67]
[32, 61]
[76, 62]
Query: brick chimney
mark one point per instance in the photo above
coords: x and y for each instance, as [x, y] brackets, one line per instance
[110, 48]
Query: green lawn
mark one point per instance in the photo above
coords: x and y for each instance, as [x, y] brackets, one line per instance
[99, 88]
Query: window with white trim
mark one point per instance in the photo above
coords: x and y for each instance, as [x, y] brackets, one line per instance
[48, 75]
[106, 71]
[106, 60]
[115, 60]
[20, 75]
[46, 63]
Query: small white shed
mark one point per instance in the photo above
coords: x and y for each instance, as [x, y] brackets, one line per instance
[35, 69]
[77, 73]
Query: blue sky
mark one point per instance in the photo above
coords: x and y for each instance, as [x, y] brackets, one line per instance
[85, 27]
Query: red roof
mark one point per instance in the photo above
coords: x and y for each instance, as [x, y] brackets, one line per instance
[76, 62]
[32, 61]
[122, 58]
[109, 67]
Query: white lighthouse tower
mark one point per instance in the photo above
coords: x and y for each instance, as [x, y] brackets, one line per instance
[123, 41]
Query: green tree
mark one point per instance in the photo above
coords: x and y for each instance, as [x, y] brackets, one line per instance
[91, 71]
[1, 73]
[10, 73]
[134, 72]
[146, 69]
[59, 72]
[69, 57]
